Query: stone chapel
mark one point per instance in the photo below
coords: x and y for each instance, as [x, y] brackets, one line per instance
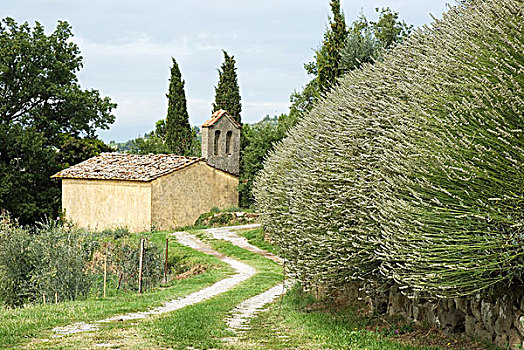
[155, 191]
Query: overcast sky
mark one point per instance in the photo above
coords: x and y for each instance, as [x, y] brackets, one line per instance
[127, 47]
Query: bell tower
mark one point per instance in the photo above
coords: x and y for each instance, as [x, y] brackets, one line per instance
[221, 142]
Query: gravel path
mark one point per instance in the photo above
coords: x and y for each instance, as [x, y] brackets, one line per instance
[244, 272]
[240, 316]
[228, 234]
[238, 321]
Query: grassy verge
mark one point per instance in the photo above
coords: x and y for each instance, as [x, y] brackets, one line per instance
[17, 326]
[256, 238]
[302, 322]
[298, 321]
[202, 325]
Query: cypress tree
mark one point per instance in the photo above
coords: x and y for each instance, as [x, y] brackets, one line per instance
[328, 58]
[227, 91]
[177, 129]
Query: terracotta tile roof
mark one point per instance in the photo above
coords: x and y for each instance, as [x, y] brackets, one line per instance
[216, 117]
[132, 167]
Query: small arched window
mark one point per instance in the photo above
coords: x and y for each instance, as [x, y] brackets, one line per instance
[228, 142]
[217, 143]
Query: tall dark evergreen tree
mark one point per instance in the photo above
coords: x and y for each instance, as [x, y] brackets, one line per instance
[178, 133]
[328, 58]
[344, 49]
[227, 91]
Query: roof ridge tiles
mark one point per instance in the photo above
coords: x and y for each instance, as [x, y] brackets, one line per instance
[215, 117]
[125, 166]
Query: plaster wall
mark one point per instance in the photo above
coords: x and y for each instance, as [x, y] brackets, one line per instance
[101, 204]
[179, 198]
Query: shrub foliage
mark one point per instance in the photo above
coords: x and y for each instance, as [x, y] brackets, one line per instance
[410, 172]
[52, 260]
[49, 260]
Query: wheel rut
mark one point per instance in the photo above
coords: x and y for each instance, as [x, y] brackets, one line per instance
[240, 315]
[239, 318]
[243, 272]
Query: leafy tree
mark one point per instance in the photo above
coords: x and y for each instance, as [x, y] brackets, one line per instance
[360, 47]
[364, 42]
[227, 91]
[26, 164]
[178, 134]
[40, 102]
[160, 129]
[150, 143]
[388, 30]
[368, 41]
[75, 150]
[154, 142]
[259, 141]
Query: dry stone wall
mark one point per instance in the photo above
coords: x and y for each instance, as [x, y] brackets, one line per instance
[500, 321]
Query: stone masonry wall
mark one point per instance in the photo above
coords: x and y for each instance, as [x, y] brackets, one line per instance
[500, 321]
[226, 162]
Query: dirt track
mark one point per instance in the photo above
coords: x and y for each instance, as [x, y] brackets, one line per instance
[240, 314]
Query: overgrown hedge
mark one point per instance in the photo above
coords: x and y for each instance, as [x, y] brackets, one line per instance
[66, 263]
[410, 171]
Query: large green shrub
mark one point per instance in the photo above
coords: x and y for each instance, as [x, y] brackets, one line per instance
[51, 260]
[410, 171]
[454, 222]
[60, 255]
[16, 264]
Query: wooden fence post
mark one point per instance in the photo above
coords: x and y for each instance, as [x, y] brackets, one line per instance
[140, 265]
[105, 274]
[165, 264]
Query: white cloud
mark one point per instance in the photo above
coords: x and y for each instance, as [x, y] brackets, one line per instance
[127, 47]
[138, 115]
[140, 46]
